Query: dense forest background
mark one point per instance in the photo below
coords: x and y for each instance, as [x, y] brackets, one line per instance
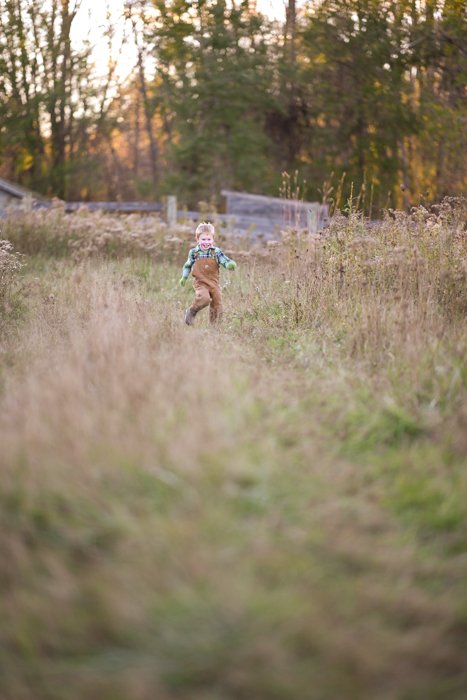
[354, 96]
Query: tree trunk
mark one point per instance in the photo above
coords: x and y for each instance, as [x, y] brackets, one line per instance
[153, 149]
[289, 33]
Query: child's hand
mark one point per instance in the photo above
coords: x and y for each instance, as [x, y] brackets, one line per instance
[182, 281]
[231, 265]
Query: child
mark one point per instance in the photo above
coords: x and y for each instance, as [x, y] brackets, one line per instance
[204, 261]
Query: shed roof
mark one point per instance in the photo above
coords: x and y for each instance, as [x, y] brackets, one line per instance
[18, 191]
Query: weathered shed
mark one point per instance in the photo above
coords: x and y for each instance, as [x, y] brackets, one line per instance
[269, 215]
[12, 194]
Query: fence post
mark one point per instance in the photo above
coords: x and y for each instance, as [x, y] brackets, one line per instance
[171, 210]
[26, 202]
[312, 220]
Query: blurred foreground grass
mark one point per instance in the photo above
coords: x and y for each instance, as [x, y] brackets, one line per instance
[275, 509]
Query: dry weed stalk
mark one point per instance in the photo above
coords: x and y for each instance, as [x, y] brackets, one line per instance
[11, 263]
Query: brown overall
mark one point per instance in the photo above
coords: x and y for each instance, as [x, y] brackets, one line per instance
[205, 273]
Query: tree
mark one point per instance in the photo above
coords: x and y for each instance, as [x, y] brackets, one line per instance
[212, 89]
[438, 63]
[222, 97]
[52, 108]
[135, 13]
[357, 90]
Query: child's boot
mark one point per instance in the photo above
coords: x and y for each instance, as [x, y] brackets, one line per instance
[190, 316]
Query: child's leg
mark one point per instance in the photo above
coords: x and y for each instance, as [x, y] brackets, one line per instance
[202, 297]
[201, 300]
[215, 310]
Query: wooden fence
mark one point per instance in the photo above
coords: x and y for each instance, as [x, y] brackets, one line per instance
[117, 207]
[245, 213]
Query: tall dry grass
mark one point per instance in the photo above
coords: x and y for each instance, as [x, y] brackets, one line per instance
[84, 234]
[372, 287]
[270, 509]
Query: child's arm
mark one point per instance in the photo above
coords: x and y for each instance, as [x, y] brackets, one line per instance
[225, 261]
[187, 268]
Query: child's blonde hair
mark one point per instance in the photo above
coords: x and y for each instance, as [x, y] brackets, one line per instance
[204, 227]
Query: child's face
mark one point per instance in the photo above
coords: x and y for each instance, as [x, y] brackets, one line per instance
[205, 240]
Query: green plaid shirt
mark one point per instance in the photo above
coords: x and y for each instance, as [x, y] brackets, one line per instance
[198, 252]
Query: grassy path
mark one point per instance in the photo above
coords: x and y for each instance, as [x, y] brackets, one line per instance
[214, 515]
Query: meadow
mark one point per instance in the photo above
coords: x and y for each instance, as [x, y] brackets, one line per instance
[271, 509]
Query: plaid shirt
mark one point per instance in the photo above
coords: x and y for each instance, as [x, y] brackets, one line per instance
[198, 252]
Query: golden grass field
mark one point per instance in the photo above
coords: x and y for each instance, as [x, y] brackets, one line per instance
[272, 509]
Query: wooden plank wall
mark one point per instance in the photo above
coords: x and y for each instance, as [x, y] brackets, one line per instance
[273, 213]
